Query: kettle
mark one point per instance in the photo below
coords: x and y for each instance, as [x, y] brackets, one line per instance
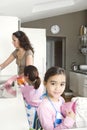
[74, 67]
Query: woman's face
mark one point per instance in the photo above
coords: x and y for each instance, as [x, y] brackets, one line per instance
[15, 41]
[55, 86]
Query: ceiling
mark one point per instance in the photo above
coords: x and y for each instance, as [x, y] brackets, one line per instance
[30, 10]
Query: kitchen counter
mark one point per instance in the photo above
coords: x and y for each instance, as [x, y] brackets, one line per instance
[13, 114]
[4, 78]
[78, 83]
[79, 71]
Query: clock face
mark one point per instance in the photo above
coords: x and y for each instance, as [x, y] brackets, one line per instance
[55, 29]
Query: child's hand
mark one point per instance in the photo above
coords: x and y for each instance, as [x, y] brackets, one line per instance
[70, 114]
[20, 80]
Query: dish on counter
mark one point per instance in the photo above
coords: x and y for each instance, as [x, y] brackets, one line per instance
[83, 67]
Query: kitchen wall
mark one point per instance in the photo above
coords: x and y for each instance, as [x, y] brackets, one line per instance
[69, 28]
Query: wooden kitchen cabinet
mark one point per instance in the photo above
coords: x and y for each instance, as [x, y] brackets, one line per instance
[78, 84]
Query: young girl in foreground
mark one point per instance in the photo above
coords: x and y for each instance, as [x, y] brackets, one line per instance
[32, 91]
[49, 111]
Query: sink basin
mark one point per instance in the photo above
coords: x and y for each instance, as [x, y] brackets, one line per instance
[83, 67]
[2, 81]
[4, 78]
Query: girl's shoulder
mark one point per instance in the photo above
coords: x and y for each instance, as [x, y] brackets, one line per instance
[44, 106]
[61, 99]
[45, 102]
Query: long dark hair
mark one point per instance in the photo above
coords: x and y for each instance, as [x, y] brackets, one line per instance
[33, 75]
[24, 40]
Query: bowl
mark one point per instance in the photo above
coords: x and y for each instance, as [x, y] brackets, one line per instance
[83, 67]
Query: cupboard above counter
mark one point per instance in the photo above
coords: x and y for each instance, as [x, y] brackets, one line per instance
[78, 83]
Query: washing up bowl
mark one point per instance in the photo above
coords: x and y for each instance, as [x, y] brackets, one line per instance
[4, 78]
[83, 67]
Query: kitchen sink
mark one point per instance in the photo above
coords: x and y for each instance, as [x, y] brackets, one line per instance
[4, 78]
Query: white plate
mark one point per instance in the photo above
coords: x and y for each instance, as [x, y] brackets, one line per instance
[83, 67]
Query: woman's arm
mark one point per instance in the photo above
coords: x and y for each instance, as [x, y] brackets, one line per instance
[29, 60]
[7, 62]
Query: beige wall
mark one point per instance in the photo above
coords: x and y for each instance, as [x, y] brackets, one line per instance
[70, 26]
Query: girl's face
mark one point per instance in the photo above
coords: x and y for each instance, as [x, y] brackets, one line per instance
[15, 41]
[55, 86]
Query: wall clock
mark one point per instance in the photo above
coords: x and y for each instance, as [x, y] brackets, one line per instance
[55, 29]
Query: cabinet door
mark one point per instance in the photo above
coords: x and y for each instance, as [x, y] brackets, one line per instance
[74, 80]
[81, 84]
[8, 25]
[82, 89]
[78, 83]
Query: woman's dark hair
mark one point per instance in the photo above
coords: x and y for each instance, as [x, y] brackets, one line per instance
[24, 40]
[53, 71]
[33, 75]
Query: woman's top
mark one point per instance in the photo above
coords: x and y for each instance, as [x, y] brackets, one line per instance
[31, 95]
[47, 115]
[22, 61]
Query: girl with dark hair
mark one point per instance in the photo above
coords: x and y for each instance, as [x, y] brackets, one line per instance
[49, 111]
[23, 53]
[32, 91]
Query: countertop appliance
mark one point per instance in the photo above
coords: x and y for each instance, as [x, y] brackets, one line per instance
[83, 67]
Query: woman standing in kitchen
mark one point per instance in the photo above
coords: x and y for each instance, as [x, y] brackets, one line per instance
[24, 53]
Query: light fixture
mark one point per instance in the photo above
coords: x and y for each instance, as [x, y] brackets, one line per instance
[49, 5]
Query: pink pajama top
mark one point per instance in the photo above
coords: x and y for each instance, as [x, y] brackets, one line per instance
[47, 115]
[31, 95]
